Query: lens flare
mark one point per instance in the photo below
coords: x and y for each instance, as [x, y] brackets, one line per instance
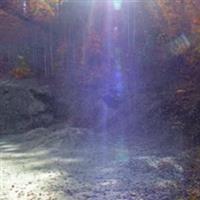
[117, 4]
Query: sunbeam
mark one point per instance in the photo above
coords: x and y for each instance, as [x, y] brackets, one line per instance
[117, 4]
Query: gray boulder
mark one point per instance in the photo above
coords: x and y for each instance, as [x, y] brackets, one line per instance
[23, 106]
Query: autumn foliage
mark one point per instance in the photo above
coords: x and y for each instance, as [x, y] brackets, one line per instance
[55, 23]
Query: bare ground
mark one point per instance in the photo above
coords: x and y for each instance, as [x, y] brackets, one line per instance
[64, 163]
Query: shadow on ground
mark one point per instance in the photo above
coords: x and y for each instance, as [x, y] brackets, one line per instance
[71, 163]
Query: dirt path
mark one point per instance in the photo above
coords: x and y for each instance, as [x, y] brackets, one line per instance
[74, 164]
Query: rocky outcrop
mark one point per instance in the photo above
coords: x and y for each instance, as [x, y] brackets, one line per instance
[24, 105]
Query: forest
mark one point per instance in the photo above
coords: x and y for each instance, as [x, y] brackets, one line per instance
[99, 99]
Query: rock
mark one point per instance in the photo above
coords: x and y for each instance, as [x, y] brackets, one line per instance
[24, 106]
[143, 164]
[61, 109]
[166, 167]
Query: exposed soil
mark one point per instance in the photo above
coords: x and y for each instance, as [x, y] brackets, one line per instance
[70, 163]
